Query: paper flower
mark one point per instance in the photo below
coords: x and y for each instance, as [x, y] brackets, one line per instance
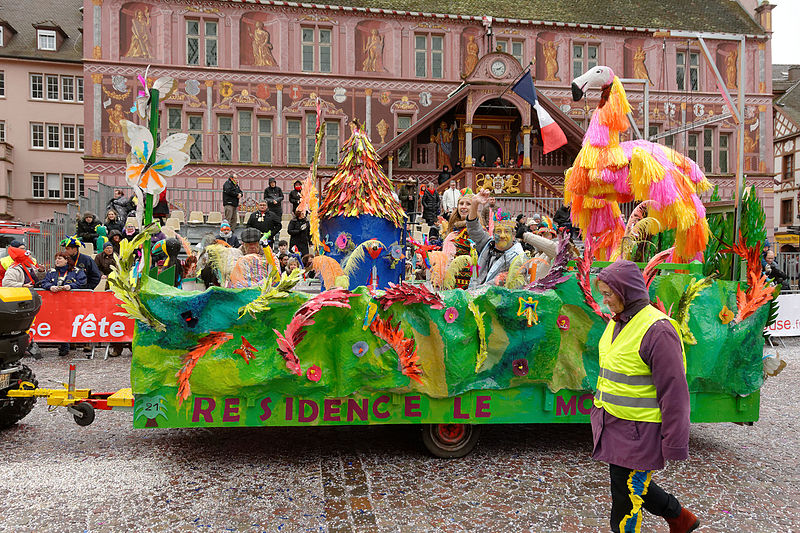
[726, 315]
[360, 348]
[450, 315]
[314, 373]
[170, 158]
[246, 350]
[520, 367]
[341, 241]
[563, 322]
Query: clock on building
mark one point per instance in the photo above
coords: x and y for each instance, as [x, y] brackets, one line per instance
[498, 68]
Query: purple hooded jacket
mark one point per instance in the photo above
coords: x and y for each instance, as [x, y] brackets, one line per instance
[645, 445]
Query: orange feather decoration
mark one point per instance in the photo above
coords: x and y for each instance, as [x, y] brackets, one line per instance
[210, 342]
[406, 348]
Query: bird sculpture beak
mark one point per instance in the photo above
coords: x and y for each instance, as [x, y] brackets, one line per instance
[577, 92]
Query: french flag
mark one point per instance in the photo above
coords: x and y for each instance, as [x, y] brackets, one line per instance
[553, 137]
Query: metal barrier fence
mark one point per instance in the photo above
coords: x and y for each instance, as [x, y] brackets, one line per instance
[789, 262]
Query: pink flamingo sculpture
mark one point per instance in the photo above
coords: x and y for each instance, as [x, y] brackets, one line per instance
[607, 172]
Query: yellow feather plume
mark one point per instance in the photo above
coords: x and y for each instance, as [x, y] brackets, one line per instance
[516, 272]
[456, 265]
[357, 257]
[482, 351]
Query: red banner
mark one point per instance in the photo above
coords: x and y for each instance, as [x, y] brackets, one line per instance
[81, 316]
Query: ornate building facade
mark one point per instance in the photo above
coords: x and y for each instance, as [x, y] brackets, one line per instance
[41, 107]
[250, 75]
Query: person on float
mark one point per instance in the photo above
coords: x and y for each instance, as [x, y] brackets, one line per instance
[640, 415]
[495, 252]
[295, 196]
[541, 242]
[457, 241]
[450, 199]
[85, 228]
[225, 234]
[82, 262]
[105, 259]
[252, 267]
[113, 222]
[299, 233]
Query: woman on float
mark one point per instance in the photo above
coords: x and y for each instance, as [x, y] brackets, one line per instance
[457, 241]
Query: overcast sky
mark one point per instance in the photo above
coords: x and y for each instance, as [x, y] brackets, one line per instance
[786, 36]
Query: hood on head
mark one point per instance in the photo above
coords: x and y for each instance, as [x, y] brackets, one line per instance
[626, 280]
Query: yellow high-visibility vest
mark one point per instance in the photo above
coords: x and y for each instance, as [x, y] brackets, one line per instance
[625, 386]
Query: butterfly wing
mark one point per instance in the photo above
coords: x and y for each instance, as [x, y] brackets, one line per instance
[165, 87]
[141, 143]
[173, 154]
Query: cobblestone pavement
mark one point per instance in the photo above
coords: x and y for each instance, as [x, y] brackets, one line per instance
[56, 476]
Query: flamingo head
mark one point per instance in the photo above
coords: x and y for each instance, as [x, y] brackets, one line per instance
[598, 77]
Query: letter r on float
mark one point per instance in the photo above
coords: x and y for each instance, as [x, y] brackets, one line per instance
[75, 323]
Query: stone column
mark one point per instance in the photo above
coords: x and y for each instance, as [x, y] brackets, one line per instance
[391, 160]
[209, 133]
[526, 146]
[279, 106]
[368, 112]
[467, 145]
[97, 37]
[97, 115]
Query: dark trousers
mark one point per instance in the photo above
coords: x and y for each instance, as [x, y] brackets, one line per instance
[630, 491]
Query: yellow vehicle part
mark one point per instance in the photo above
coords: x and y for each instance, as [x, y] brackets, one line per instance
[121, 398]
[15, 294]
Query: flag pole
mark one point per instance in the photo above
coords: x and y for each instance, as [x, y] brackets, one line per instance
[526, 69]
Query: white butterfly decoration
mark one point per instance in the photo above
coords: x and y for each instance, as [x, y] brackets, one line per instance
[165, 86]
[170, 158]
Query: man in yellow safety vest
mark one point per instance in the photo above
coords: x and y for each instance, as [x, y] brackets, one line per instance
[641, 407]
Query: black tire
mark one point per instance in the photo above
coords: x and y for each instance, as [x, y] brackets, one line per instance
[12, 410]
[449, 441]
[87, 411]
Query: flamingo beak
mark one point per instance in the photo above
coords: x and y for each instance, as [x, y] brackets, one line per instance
[577, 92]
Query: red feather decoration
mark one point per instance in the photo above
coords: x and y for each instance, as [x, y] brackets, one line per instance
[406, 348]
[584, 265]
[409, 294]
[212, 341]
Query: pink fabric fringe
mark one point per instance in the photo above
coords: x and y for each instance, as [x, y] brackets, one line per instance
[596, 134]
[698, 206]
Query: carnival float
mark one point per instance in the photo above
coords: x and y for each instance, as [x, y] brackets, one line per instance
[374, 348]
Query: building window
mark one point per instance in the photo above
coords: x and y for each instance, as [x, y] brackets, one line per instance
[38, 185]
[174, 120]
[687, 77]
[245, 136]
[225, 138]
[80, 184]
[37, 87]
[669, 141]
[332, 142]
[652, 131]
[67, 88]
[404, 152]
[2, 36]
[293, 141]
[708, 150]
[428, 49]
[788, 167]
[54, 186]
[196, 131]
[46, 39]
[52, 87]
[311, 138]
[787, 212]
[37, 135]
[265, 140]
[207, 38]
[584, 57]
[68, 134]
[79, 89]
[69, 186]
[319, 40]
[53, 137]
[515, 48]
[2, 131]
[724, 140]
[80, 138]
[691, 151]
[2, 82]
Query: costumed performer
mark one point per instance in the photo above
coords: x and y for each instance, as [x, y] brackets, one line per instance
[641, 408]
[496, 251]
[457, 241]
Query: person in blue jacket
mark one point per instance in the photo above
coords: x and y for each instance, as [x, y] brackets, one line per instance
[64, 277]
[83, 262]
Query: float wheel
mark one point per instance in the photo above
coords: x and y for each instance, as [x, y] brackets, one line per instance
[450, 440]
[86, 415]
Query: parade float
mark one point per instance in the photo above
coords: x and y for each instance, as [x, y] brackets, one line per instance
[373, 349]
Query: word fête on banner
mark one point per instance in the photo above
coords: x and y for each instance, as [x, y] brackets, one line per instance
[81, 316]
